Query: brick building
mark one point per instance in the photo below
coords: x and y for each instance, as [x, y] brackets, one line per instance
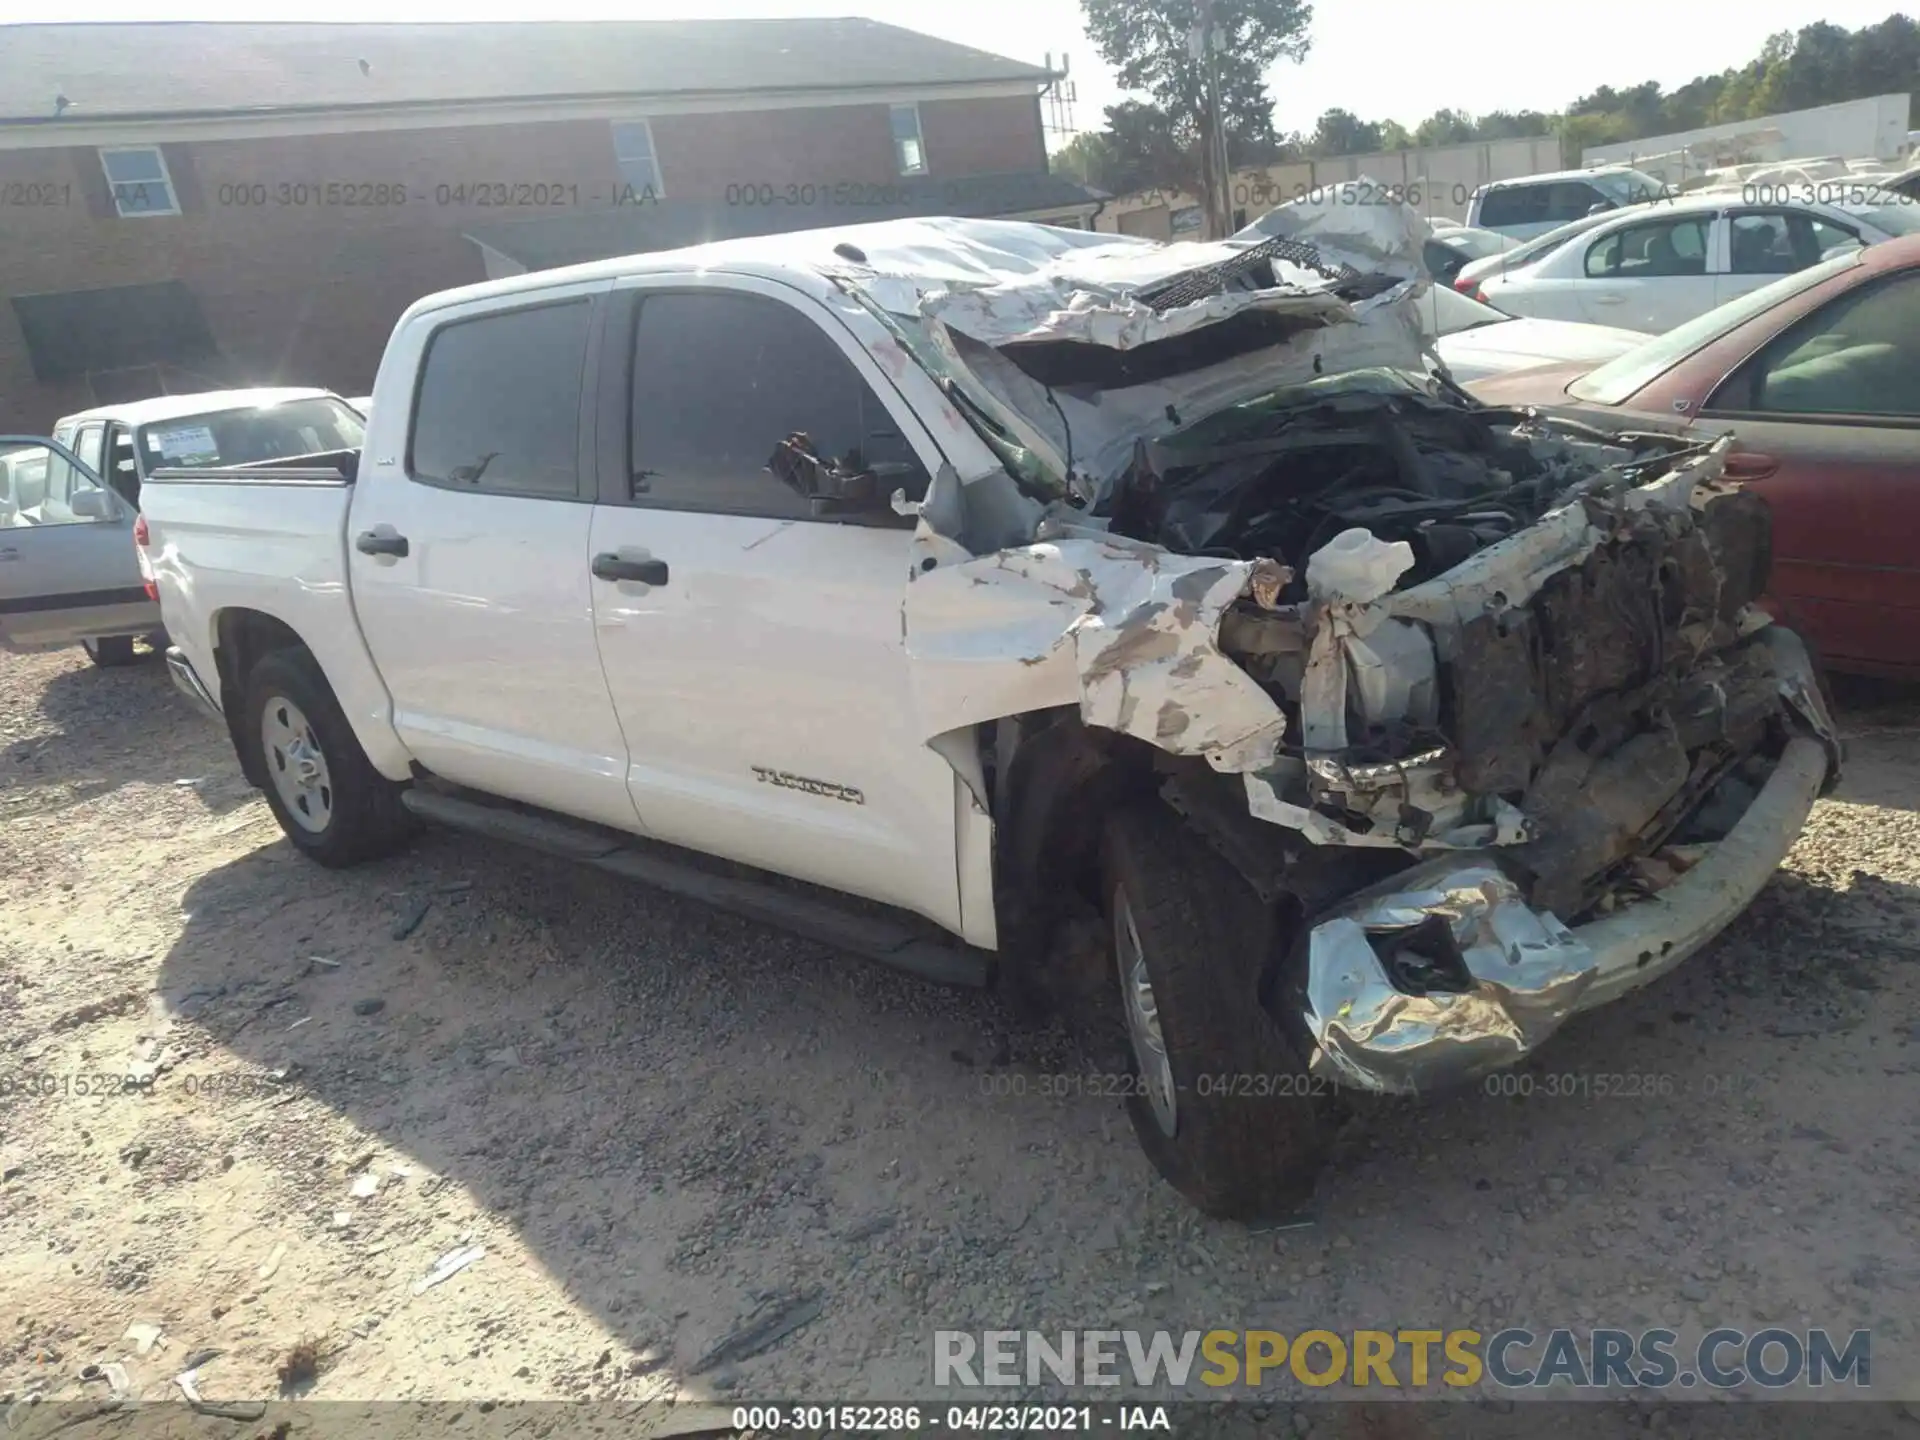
[195, 205]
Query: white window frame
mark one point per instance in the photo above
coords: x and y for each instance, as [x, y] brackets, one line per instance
[919, 139]
[166, 178]
[653, 153]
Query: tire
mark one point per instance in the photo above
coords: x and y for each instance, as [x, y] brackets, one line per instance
[347, 811]
[1249, 1129]
[110, 652]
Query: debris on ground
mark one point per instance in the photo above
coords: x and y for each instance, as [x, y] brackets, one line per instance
[450, 1264]
[410, 919]
[778, 1318]
[301, 1364]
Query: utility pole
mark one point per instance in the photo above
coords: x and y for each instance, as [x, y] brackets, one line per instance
[1220, 181]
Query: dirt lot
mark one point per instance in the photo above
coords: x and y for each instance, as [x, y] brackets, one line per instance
[661, 1123]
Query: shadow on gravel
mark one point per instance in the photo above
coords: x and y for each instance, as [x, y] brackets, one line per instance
[111, 727]
[703, 1127]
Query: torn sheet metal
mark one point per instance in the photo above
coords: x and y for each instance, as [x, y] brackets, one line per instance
[1125, 630]
[1498, 978]
[964, 291]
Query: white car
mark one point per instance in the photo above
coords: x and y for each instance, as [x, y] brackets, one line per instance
[1660, 265]
[1477, 342]
[1535, 204]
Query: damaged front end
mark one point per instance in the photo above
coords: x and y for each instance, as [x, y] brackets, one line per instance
[1262, 528]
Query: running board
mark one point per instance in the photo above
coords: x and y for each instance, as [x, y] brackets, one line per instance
[890, 942]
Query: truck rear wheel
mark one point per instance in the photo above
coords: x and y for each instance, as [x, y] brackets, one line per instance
[325, 793]
[1221, 1101]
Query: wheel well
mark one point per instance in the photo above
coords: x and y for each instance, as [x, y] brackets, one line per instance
[242, 638]
[1054, 780]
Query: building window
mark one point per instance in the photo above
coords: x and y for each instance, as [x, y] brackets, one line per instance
[139, 181]
[909, 154]
[634, 154]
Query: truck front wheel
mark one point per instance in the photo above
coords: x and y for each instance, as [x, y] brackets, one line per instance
[1220, 1100]
[325, 793]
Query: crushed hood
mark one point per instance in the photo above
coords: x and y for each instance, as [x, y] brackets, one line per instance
[1075, 346]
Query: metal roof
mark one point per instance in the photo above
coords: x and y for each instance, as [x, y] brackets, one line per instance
[235, 68]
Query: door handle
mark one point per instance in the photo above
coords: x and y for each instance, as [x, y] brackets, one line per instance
[368, 542]
[609, 566]
[1609, 299]
[1750, 465]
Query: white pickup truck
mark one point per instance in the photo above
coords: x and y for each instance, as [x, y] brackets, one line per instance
[918, 585]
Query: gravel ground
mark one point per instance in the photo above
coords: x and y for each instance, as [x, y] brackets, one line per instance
[661, 1123]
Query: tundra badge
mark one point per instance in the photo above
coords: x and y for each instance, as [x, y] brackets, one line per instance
[812, 787]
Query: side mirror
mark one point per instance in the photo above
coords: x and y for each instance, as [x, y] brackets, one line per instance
[830, 489]
[1600, 207]
[93, 505]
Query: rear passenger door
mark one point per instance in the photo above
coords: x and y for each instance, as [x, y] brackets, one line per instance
[757, 663]
[1763, 245]
[468, 556]
[1651, 276]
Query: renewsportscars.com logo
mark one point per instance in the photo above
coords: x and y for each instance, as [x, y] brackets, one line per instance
[1722, 1359]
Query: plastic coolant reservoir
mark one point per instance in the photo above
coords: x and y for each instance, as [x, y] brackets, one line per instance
[1357, 565]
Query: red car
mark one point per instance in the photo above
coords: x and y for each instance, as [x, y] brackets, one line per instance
[1818, 374]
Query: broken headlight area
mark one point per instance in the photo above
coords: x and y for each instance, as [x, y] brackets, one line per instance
[1462, 964]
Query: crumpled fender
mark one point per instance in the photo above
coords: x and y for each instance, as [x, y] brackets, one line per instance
[1125, 631]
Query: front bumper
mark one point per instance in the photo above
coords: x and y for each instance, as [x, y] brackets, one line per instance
[187, 682]
[1505, 976]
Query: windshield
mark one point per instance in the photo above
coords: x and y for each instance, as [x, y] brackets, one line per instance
[1540, 245]
[1474, 244]
[1448, 312]
[1614, 381]
[247, 437]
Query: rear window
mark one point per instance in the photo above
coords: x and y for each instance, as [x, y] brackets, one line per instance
[247, 437]
[1888, 212]
[499, 406]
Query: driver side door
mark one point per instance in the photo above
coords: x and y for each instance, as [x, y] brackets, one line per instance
[754, 648]
[68, 569]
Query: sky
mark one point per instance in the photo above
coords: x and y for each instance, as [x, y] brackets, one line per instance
[1388, 59]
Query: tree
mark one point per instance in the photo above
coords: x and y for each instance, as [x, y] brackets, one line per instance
[1093, 159]
[1445, 127]
[1340, 132]
[1146, 43]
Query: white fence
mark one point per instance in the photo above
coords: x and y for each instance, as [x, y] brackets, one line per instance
[1438, 181]
[1855, 129]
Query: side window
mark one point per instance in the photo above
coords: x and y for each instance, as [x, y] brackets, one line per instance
[1514, 205]
[1779, 242]
[1660, 249]
[1858, 356]
[46, 487]
[499, 402]
[1572, 199]
[87, 443]
[719, 380]
[121, 467]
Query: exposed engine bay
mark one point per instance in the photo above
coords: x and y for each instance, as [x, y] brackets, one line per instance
[1243, 515]
[1492, 728]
